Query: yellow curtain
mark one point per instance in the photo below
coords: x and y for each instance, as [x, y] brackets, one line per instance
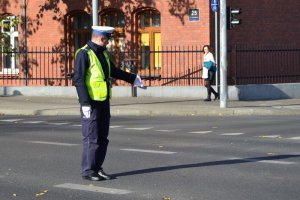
[157, 47]
[145, 39]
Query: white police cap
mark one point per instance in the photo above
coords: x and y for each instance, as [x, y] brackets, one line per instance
[103, 30]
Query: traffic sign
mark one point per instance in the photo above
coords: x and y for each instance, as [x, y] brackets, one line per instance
[214, 5]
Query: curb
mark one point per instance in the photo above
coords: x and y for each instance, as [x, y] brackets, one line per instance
[117, 111]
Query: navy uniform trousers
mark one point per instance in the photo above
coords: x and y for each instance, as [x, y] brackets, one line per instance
[95, 132]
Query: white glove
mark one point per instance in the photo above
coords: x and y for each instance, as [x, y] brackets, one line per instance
[138, 81]
[86, 110]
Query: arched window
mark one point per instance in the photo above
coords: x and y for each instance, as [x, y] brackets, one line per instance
[9, 60]
[115, 18]
[149, 39]
[78, 32]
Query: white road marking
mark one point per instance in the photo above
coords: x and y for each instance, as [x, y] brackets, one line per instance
[58, 123]
[76, 125]
[201, 132]
[139, 129]
[294, 138]
[115, 126]
[92, 188]
[166, 130]
[265, 161]
[149, 151]
[33, 122]
[277, 162]
[270, 136]
[232, 134]
[10, 120]
[53, 143]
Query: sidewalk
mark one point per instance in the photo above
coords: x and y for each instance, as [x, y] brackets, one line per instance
[148, 106]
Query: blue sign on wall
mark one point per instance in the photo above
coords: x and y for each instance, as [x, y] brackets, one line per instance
[194, 14]
[214, 5]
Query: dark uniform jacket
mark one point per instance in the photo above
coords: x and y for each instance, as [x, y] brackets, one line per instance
[82, 63]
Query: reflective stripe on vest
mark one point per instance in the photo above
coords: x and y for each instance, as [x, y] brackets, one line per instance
[95, 79]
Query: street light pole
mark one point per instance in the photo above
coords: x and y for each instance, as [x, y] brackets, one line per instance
[223, 55]
[95, 12]
[216, 51]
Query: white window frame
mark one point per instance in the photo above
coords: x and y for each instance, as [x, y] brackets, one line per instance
[13, 34]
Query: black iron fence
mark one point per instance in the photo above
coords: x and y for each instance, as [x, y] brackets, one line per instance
[264, 64]
[36, 67]
[170, 66]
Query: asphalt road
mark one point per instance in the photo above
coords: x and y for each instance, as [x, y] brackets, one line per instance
[169, 158]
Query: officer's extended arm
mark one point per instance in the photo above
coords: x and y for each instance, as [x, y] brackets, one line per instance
[120, 74]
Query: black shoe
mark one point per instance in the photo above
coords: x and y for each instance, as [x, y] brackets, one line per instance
[92, 177]
[104, 175]
[207, 99]
[217, 96]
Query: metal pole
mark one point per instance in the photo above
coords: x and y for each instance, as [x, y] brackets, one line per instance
[216, 51]
[95, 12]
[223, 55]
[25, 70]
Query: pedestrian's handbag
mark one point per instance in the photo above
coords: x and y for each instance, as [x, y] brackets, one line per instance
[209, 65]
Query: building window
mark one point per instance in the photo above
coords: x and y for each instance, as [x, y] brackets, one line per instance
[9, 46]
[113, 18]
[80, 30]
[149, 39]
[78, 33]
[117, 44]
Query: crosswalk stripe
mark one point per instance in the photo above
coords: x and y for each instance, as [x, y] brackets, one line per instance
[232, 134]
[92, 188]
[270, 136]
[53, 143]
[166, 130]
[294, 138]
[140, 129]
[201, 132]
[33, 122]
[115, 126]
[10, 120]
[58, 123]
[265, 161]
[277, 162]
[148, 151]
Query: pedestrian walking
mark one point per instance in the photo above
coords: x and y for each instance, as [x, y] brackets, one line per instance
[208, 72]
[93, 71]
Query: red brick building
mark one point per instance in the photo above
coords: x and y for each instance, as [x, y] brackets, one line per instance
[155, 26]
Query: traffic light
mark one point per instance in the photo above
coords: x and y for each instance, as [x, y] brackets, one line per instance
[232, 21]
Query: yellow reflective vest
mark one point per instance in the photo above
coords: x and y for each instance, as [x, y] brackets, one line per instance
[95, 79]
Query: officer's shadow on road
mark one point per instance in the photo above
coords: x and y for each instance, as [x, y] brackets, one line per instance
[206, 164]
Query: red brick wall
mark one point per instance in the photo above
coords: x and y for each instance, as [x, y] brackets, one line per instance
[266, 22]
[178, 30]
[46, 20]
[263, 21]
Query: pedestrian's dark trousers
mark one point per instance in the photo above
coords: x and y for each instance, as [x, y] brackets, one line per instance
[209, 82]
[95, 132]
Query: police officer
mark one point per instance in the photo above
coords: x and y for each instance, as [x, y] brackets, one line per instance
[92, 78]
